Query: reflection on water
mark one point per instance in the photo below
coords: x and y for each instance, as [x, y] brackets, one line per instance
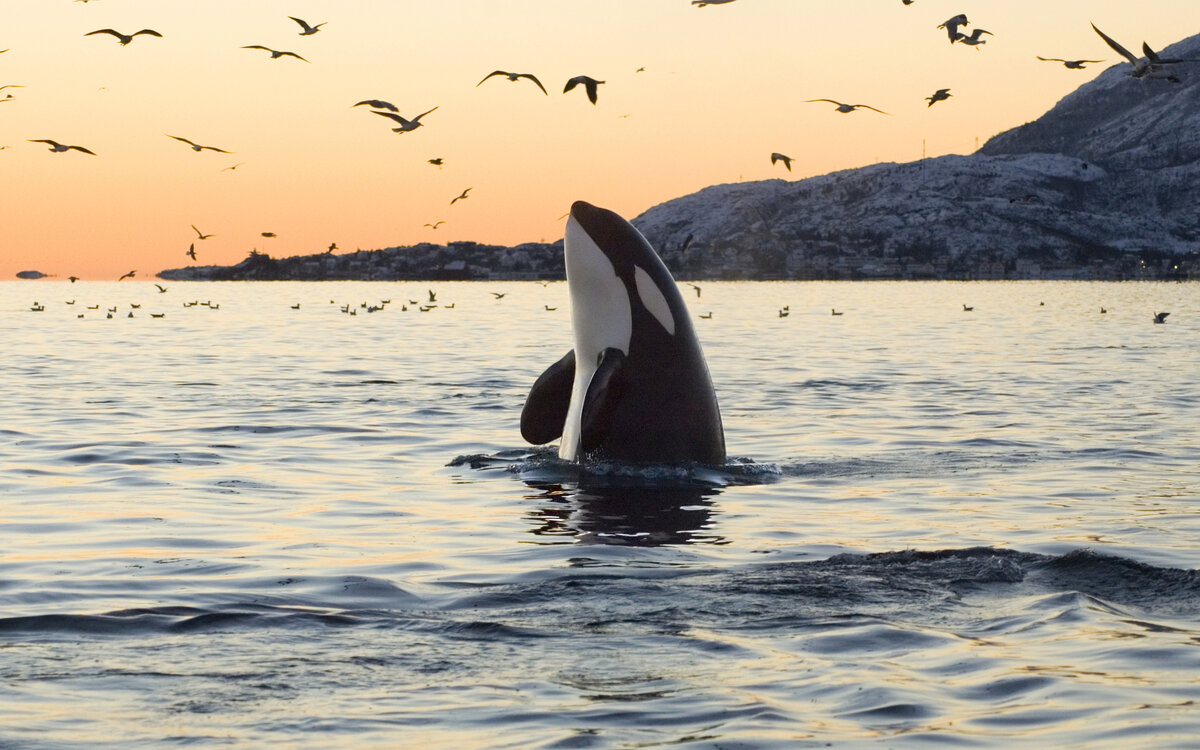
[624, 515]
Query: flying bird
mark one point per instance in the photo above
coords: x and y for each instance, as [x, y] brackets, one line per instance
[191, 251]
[1150, 66]
[515, 77]
[196, 146]
[587, 82]
[127, 276]
[462, 196]
[405, 125]
[308, 30]
[437, 161]
[275, 54]
[377, 104]
[235, 166]
[1161, 317]
[436, 224]
[702, 3]
[1069, 64]
[269, 235]
[201, 235]
[161, 289]
[951, 26]
[124, 38]
[940, 95]
[696, 287]
[847, 107]
[974, 39]
[787, 160]
[58, 148]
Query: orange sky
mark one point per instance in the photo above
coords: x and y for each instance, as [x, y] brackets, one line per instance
[723, 87]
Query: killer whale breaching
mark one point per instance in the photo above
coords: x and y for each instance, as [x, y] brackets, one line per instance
[635, 386]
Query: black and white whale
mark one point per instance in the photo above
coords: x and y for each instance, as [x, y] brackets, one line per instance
[635, 386]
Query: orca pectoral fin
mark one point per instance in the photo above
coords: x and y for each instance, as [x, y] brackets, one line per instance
[546, 406]
[603, 396]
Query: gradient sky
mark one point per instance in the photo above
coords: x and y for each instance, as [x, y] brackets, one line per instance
[723, 87]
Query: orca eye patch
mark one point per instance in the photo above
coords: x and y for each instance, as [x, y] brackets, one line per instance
[653, 300]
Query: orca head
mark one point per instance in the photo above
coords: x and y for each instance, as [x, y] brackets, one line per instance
[612, 274]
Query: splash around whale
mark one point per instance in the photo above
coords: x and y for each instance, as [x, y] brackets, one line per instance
[635, 386]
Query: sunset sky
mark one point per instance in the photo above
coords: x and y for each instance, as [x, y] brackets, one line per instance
[722, 87]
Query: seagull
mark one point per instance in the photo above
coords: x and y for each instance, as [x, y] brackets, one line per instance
[846, 107]
[308, 30]
[940, 95]
[1161, 317]
[833, 311]
[124, 38]
[269, 235]
[1069, 64]
[435, 224]
[201, 235]
[951, 26]
[405, 125]
[275, 54]
[974, 39]
[191, 252]
[332, 246]
[437, 162]
[196, 146]
[235, 166]
[967, 309]
[161, 289]
[514, 77]
[587, 82]
[702, 3]
[499, 295]
[72, 279]
[1150, 66]
[696, 287]
[127, 276]
[432, 296]
[461, 197]
[377, 104]
[787, 160]
[58, 148]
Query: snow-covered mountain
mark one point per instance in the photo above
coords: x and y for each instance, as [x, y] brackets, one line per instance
[1112, 171]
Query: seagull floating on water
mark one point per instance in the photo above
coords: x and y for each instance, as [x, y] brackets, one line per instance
[847, 107]
[196, 146]
[1070, 64]
[308, 30]
[515, 77]
[787, 160]
[405, 125]
[588, 83]
[124, 38]
[58, 148]
[275, 54]
[1161, 317]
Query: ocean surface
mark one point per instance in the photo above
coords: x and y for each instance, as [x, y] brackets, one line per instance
[247, 525]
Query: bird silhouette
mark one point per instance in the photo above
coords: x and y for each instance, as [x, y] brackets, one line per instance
[405, 124]
[201, 235]
[461, 197]
[275, 54]
[377, 104]
[938, 96]
[787, 160]
[127, 276]
[1161, 317]
[124, 38]
[58, 148]
[515, 77]
[589, 84]
[196, 146]
[951, 26]
[161, 289]
[1070, 64]
[847, 107]
[306, 29]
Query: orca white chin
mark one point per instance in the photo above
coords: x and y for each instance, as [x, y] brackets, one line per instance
[634, 387]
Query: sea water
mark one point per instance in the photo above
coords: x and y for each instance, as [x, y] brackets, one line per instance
[251, 524]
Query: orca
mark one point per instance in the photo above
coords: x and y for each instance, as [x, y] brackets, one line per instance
[635, 386]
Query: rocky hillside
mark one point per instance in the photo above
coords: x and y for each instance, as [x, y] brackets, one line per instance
[1111, 172]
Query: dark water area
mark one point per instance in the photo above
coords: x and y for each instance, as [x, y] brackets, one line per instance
[258, 526]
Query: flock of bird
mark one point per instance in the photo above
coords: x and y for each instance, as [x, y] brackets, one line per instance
[1149, 66]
